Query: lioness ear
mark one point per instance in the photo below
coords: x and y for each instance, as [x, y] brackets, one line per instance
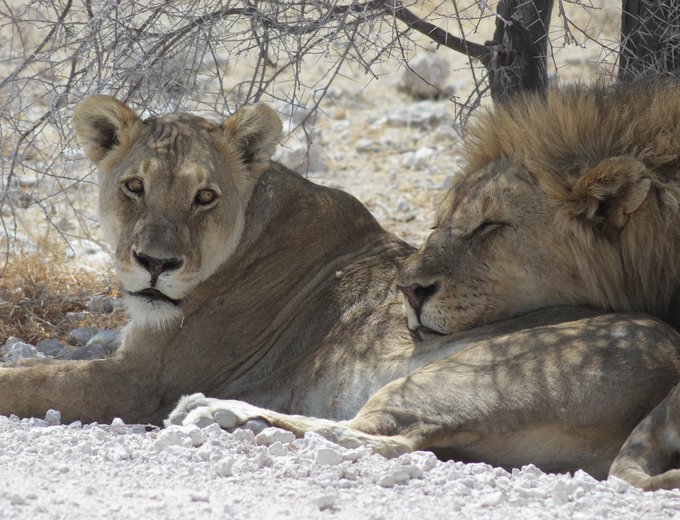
[608, 193]
[256, 130]
[103, 123]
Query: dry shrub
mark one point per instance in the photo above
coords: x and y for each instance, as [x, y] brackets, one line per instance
[43, 297]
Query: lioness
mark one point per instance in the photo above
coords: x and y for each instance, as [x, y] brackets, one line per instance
[246, 281]
[568, 199]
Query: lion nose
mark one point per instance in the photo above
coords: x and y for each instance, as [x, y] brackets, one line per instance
[157, 266]
[417, 295]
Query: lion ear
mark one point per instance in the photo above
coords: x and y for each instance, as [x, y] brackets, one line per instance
[608, 193]
[102, 123]
[256, 130]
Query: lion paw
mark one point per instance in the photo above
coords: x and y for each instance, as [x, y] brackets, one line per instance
[203, 411]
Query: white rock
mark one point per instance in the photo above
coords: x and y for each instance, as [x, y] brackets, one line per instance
[199, 496]
[224, 466]
[426, 460]
[243, 434]
[53, 417]
[17, 500]
[396, 476]
[328, 457]
[326, 501]
[300, 157]
[562, 491]
[118, 425]
[171, 436]
[277, 449]
[20, 350]
[422, 158]
[412, 470]
[422, 114]
[270, 435]
[531, 471]
[618, 485]
[195, 434]
[491, 499]
[262, 460]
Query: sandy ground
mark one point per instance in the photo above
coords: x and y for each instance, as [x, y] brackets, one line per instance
[373, 142]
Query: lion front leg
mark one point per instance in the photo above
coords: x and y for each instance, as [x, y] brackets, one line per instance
[202, 411]
[646, 457]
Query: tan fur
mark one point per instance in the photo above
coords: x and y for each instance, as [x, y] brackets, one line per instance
[281, 293]
[583, 188]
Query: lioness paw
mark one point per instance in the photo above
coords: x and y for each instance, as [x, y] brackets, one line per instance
[203, 411]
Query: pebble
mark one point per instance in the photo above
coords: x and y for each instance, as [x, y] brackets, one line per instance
[51, 347]
[37, 423]
[199, 496]
[262, 460]
[224, 466]
[396, 476]
[20, 350]
[196, 435]
[277, 450]
[491, 499]
[243, 434]
[423, 114]
[118, 425]
[53, 417]
[426, 75]
[102, 304]
[86, 352]
[170, 436]
[269, 436]
[328, 457]
[8, 343]
[326, 501]
[109, 340]
[80, 336]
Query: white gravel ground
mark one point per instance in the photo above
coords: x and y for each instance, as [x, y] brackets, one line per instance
[123, 471]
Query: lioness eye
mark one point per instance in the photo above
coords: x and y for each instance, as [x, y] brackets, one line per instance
[134, 185]
[205, 197]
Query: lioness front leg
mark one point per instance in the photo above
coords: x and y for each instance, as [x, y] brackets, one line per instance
[94, 390]
[200, 410]
[646, 458]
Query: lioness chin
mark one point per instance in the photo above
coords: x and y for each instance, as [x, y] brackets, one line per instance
[249, 283]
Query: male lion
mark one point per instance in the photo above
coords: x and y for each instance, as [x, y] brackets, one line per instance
[568, 199]
[246, 281]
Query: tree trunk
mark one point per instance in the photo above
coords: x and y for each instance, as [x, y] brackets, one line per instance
[650, 38]
[519, 48]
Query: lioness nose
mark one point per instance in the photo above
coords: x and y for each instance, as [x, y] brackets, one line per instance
[157, 266]
[417, 295]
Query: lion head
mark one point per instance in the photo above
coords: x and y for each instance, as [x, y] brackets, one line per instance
[569, 198]
[173, 195]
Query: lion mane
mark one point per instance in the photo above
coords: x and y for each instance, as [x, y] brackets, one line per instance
[602, 153]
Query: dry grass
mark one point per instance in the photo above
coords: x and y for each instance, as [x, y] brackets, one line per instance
[38, 290]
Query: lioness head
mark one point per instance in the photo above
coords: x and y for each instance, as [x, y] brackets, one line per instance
[570, 199]
[173, 195]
